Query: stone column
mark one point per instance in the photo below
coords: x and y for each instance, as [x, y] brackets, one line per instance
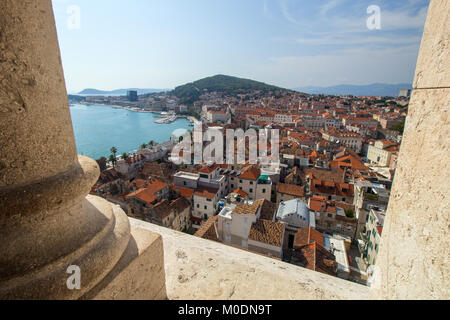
[413, 262]
[47, 221]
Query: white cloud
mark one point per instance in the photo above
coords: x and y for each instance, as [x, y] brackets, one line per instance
[285, 10]
[328, 6]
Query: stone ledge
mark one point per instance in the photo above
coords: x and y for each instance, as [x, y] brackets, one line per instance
[139, 274]
[198, 269]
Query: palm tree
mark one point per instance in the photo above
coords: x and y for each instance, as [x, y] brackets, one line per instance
[114, 151]
[143, 146]
[113, 160]
[124, 156]
[151, 143]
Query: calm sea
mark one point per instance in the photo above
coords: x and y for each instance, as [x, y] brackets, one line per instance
[98, 128]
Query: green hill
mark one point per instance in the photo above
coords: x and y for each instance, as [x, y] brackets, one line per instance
[189, 93]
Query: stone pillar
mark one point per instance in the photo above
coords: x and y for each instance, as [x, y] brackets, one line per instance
[47, 221]
[413, 262]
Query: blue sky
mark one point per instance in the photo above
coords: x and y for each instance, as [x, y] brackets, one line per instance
[289, 43]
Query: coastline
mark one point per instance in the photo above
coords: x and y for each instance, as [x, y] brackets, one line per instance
[191, 119]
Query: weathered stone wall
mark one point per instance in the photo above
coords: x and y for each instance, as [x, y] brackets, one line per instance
[36, 133]
[413, 262]
[201, 269]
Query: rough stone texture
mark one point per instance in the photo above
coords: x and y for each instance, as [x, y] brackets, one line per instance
[433, 66]
[200, 269]
[139, 274]
[35, 259]
[36, 135]
[413, 262]
[47, 223]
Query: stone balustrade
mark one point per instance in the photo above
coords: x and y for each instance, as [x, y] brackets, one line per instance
[201, 269]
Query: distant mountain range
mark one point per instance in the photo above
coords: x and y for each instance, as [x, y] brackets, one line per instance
[191, 92]
[117, 92]
[376, 89]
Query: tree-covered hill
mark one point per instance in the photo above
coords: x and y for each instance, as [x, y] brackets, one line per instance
[191, 92]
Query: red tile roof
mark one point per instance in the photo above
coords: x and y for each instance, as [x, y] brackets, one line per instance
[207, 193]
[240, 192]
[148, 192]
[184, 192]
[290, 189]
[250, 173]
[208, 229]
[209, 168]
[144, 194]
[306, 236]
[267, 232]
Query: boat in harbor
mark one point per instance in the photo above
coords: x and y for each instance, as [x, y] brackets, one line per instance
[169, 118]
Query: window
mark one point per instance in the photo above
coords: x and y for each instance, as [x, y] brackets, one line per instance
[206, 207]
[184, 183]
[251, 190]
[251, 182]
[204, 176]
[240, 181]
[263, 190]
[198, 206]
[205, 216]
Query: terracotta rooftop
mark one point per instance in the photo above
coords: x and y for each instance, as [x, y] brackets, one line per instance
[240, 192]
[267, 232]
[184, 192]
[208, 229]
[148, 192]
[329, 175]
[246, 209]
[290, 189]
[208, 193]
[268, 209]
[208, 168]
[162, 209]
[143, 194]
[250, 173]
[306, 236]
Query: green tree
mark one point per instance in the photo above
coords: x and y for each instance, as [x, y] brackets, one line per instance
[349, 213]
[399, 127]
[114, 151]
[143, 146]
[151, 143]
[125, 156]
[113, 160]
